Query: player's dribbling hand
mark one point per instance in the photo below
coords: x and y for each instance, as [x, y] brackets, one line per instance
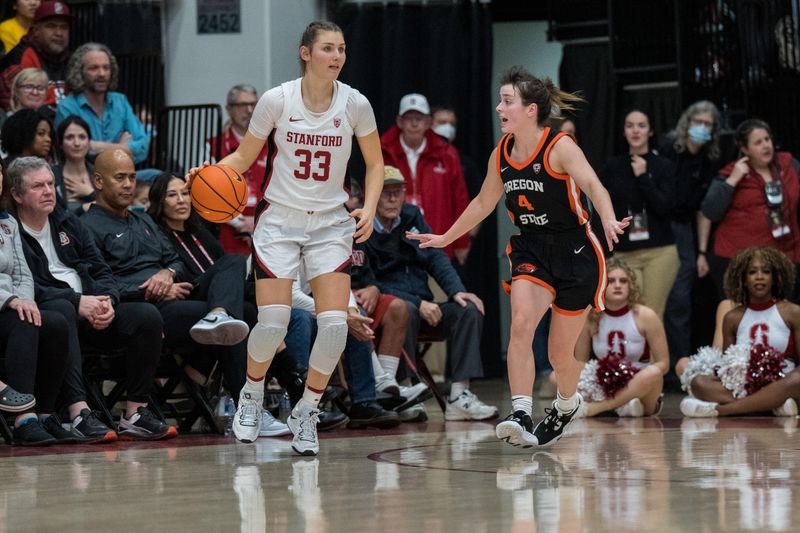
[193, 172]
[612, 228]
[364, 224]
[427, 240]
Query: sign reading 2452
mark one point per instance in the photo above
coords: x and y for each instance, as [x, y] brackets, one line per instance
[219, 16]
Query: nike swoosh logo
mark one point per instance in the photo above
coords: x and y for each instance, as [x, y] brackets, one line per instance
[503, 169]
[579, 249]
[292, 119]
[120, 235]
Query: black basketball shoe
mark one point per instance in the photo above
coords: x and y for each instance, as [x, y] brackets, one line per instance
[517, 430]
[554, 424]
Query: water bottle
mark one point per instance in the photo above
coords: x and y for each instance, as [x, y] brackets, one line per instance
[284, 407]
[225, 410]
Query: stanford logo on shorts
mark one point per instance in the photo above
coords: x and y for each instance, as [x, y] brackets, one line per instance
[358, 258]
[537, 167]
[63, 238]
[337, 122]
[526, 268]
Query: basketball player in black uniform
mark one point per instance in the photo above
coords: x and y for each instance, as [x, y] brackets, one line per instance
[556, 259]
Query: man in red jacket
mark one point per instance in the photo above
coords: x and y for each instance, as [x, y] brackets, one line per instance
[435, 182]
[45, 47]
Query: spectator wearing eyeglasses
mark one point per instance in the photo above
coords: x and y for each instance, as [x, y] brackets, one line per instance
[240, 104]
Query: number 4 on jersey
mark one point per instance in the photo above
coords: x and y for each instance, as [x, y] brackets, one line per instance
[522, 201]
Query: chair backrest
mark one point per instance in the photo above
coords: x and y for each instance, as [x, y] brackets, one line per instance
[184, 136]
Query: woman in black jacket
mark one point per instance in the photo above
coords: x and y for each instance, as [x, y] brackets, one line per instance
[642, 185]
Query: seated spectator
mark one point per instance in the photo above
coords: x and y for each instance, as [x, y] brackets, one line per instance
[240, 104]
[641, 185]
[401, 268]
[73, 172]
[29, 91]
[92, 76]
[141, 199]
[763, 325]
[630, 338]
[72, 279]
[148, 269]
[14, 28]
[753, 201]
[33, 341]
[44, 47]
[26, 133]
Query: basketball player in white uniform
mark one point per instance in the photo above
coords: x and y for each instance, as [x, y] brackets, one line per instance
[309, 123]
[629, 329]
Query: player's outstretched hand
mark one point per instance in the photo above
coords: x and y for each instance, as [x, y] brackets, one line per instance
[612, 228]
[364, 223]
[427, 240]
[193, 172]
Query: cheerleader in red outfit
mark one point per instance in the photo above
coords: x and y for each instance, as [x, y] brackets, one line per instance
[760, 338]
[630, 347]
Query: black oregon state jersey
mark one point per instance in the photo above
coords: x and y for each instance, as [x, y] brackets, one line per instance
[538, 199]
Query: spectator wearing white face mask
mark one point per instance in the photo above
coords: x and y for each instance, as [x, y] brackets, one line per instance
[432, 166]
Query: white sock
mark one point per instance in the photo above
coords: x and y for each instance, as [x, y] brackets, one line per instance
[311, 397]
[457, 388]
[565, 405]
[255, 388]
[377, 369]
[522, 403]
[389, 363]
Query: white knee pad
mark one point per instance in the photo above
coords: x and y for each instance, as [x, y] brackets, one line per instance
[330, 341]
[266, 336]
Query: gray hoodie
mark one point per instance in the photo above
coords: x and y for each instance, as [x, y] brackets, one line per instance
[15, 276]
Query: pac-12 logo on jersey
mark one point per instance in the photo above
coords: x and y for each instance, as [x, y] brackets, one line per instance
[537, 167]
[337, 122]
[526, 268]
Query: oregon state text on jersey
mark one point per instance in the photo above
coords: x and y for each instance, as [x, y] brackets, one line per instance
[538, 199]
[308, 152]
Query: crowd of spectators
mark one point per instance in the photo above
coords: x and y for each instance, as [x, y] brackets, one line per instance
[92, 259]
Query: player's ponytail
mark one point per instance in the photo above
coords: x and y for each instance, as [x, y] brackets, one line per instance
[549, 99]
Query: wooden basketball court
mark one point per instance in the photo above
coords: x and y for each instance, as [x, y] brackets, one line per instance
[610, 474]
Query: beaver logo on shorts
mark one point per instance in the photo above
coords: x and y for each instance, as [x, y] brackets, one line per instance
[526, 268]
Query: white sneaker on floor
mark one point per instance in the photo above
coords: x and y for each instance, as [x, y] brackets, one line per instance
[789, 408]
[247, 420]
[468, 407]
[271, 426]
[695, 408]
[415, 413]
[303, 424]
[634, 408]
[220, 329]
[388, 384]
[413, 395]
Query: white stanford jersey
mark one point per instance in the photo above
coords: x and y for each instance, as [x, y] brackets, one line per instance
[764, 326]
[617, 334]
[308, 152]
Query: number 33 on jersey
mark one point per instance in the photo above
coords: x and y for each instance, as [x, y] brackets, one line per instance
[308, 152]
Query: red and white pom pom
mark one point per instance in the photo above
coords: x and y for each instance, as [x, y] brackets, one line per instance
[614, 373]
[765, 366]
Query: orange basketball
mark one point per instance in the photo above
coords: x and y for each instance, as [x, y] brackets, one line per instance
[219, 193]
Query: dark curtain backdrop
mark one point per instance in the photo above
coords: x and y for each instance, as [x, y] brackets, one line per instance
[586, 68]
[445, 53]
